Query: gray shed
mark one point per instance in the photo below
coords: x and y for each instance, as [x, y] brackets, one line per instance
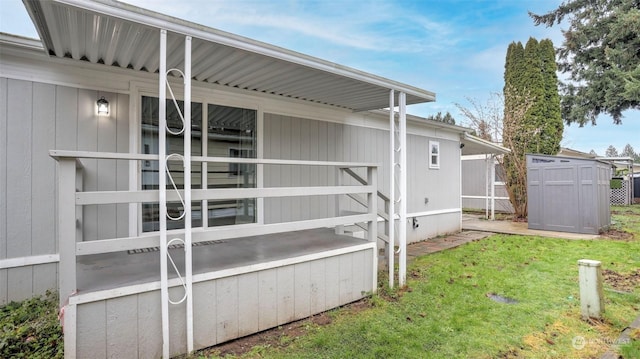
[568, 194]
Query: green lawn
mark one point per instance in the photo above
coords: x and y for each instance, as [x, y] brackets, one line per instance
[445, 313]
[628, 219]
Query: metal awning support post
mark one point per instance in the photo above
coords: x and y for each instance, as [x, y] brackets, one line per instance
[493, 187]
[391, 247]
[163, 173]
[486, 186]
[162, 185]
[402, 147]
[398, 174]
[630, 176]
[187, 191]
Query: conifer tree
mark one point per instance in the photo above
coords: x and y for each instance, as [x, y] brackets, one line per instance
[552, 126]
[532, 118]
[600, 56]
[513, 66]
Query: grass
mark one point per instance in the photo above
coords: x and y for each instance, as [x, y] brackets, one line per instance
[631, 350]
[627, 218]
[445, 312]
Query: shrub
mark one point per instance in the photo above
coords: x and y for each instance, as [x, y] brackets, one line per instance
[30, 329]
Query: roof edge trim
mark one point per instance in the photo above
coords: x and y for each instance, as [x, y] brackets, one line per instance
[495, 148]
[424, 121]
[21, 41]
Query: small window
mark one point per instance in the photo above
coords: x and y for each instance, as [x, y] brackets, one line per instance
[434, 154]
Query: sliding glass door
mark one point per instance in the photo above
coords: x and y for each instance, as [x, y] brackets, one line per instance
[216, 131]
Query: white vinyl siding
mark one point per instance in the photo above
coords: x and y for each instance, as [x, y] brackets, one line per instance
[289, 137]
[35, 118]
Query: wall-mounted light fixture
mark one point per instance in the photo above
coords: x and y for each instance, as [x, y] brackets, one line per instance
[103, 107]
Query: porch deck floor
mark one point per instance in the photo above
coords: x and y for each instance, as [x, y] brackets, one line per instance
[113, 270]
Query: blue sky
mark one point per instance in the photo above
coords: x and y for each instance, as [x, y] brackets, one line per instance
[455, 48]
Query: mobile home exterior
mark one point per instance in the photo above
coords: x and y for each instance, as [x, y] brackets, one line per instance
[483, 187]
[277, 151]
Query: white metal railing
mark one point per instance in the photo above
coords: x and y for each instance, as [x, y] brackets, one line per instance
[71, 198]
[382, 213]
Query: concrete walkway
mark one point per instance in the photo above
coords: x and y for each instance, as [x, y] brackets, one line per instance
[476, 223]
[475, 228]
[441, 243]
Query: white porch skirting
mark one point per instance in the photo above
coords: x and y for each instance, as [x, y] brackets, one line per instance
[285, 277]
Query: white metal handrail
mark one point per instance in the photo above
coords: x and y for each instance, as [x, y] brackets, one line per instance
[61, 154]
[384, 213]
[120, 197]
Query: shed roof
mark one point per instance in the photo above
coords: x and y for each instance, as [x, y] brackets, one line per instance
[117, 34]
[543, 160]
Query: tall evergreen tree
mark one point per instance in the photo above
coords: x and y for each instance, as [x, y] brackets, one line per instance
[513, 66]
[532, 80]
[513, 100]
[532, 117]
[552, 126]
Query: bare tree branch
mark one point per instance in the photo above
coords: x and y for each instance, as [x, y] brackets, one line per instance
[490, 122]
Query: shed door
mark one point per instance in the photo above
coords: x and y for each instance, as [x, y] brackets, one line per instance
[554, 198]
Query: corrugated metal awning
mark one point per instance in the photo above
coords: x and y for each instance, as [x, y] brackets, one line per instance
[473, 145]
[117, 34]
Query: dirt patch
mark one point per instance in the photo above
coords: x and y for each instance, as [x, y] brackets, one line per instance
[622, 282]
[624, 212]
[509, 354]
[277, 337]
[551, 334]
[617, 235]
[281, 336]
[395, 295]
